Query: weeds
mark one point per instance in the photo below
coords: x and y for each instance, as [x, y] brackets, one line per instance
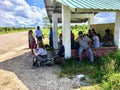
[104, 71]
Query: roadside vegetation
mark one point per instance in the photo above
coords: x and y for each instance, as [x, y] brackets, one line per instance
[7, 30]
[75, 29]
[103, 74]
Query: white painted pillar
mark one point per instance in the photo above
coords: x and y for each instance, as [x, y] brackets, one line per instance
[90, 21]
[66, 36]
[117, 30]
[55, 31]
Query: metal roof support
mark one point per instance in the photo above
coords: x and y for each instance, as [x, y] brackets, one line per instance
[117, 30]
[66, 36]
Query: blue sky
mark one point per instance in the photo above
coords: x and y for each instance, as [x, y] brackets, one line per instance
[28, 13]
[37, 3]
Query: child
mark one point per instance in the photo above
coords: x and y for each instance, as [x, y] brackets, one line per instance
[32, 41]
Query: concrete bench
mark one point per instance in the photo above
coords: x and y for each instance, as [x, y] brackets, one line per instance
[97, 52]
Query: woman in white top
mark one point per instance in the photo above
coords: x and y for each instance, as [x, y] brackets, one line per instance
[96, 41]
[40, 55]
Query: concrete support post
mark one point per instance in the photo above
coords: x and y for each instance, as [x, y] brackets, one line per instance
[66, 18]
[55, 31]
[117, 30]
[90, 21]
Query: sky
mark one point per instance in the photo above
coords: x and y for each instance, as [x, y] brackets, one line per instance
[30, 13]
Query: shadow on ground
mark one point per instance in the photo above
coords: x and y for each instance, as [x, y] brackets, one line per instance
[43, 78]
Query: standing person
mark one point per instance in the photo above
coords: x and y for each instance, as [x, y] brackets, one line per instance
[84, 43]
[51, 38]
[29, 38]
[60, 38]
[32, 41]
[38, 34]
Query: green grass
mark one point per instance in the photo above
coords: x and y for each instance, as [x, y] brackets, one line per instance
[75, 29]
[72, 67]
[7, 30]
[105, 71]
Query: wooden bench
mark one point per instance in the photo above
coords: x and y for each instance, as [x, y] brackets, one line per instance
[97, 52]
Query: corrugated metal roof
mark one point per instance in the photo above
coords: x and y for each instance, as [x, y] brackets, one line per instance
[92, 4]
[52, 6]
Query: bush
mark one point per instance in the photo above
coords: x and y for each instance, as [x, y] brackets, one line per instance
[111, 82]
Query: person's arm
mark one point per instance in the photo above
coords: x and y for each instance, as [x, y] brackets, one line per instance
[38, 52]
[35, 53]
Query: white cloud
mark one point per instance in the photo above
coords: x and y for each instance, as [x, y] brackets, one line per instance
[19, 13]
[104, 17]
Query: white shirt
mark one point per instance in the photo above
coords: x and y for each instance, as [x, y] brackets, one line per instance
[96, 41]
[38, 33]
[41, 51]
[84, 41]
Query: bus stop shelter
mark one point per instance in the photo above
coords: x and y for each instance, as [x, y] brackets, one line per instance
[78, 11]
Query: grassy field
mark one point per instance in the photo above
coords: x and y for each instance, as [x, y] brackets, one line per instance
[7, 30]
[75, 29]
[104, 73]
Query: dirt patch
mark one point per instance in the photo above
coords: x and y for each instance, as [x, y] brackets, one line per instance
[16, 72]
[9, 81]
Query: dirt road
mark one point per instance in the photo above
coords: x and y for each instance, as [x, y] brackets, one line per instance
[16, 72]
[9, 42]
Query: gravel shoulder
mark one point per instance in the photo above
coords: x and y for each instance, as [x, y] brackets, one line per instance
[16, 72]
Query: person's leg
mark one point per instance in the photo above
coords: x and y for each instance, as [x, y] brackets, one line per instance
[51, 43]
[32, 47]
[80, 53]
[34, 62]
[42, 60]
[90, 54]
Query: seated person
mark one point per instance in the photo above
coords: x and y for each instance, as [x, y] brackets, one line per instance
[95, 41]
[108, 38]
[93, 31]
[40, 54]
[84, 43]
[89, 34]
[72, 40]
[61, 51]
